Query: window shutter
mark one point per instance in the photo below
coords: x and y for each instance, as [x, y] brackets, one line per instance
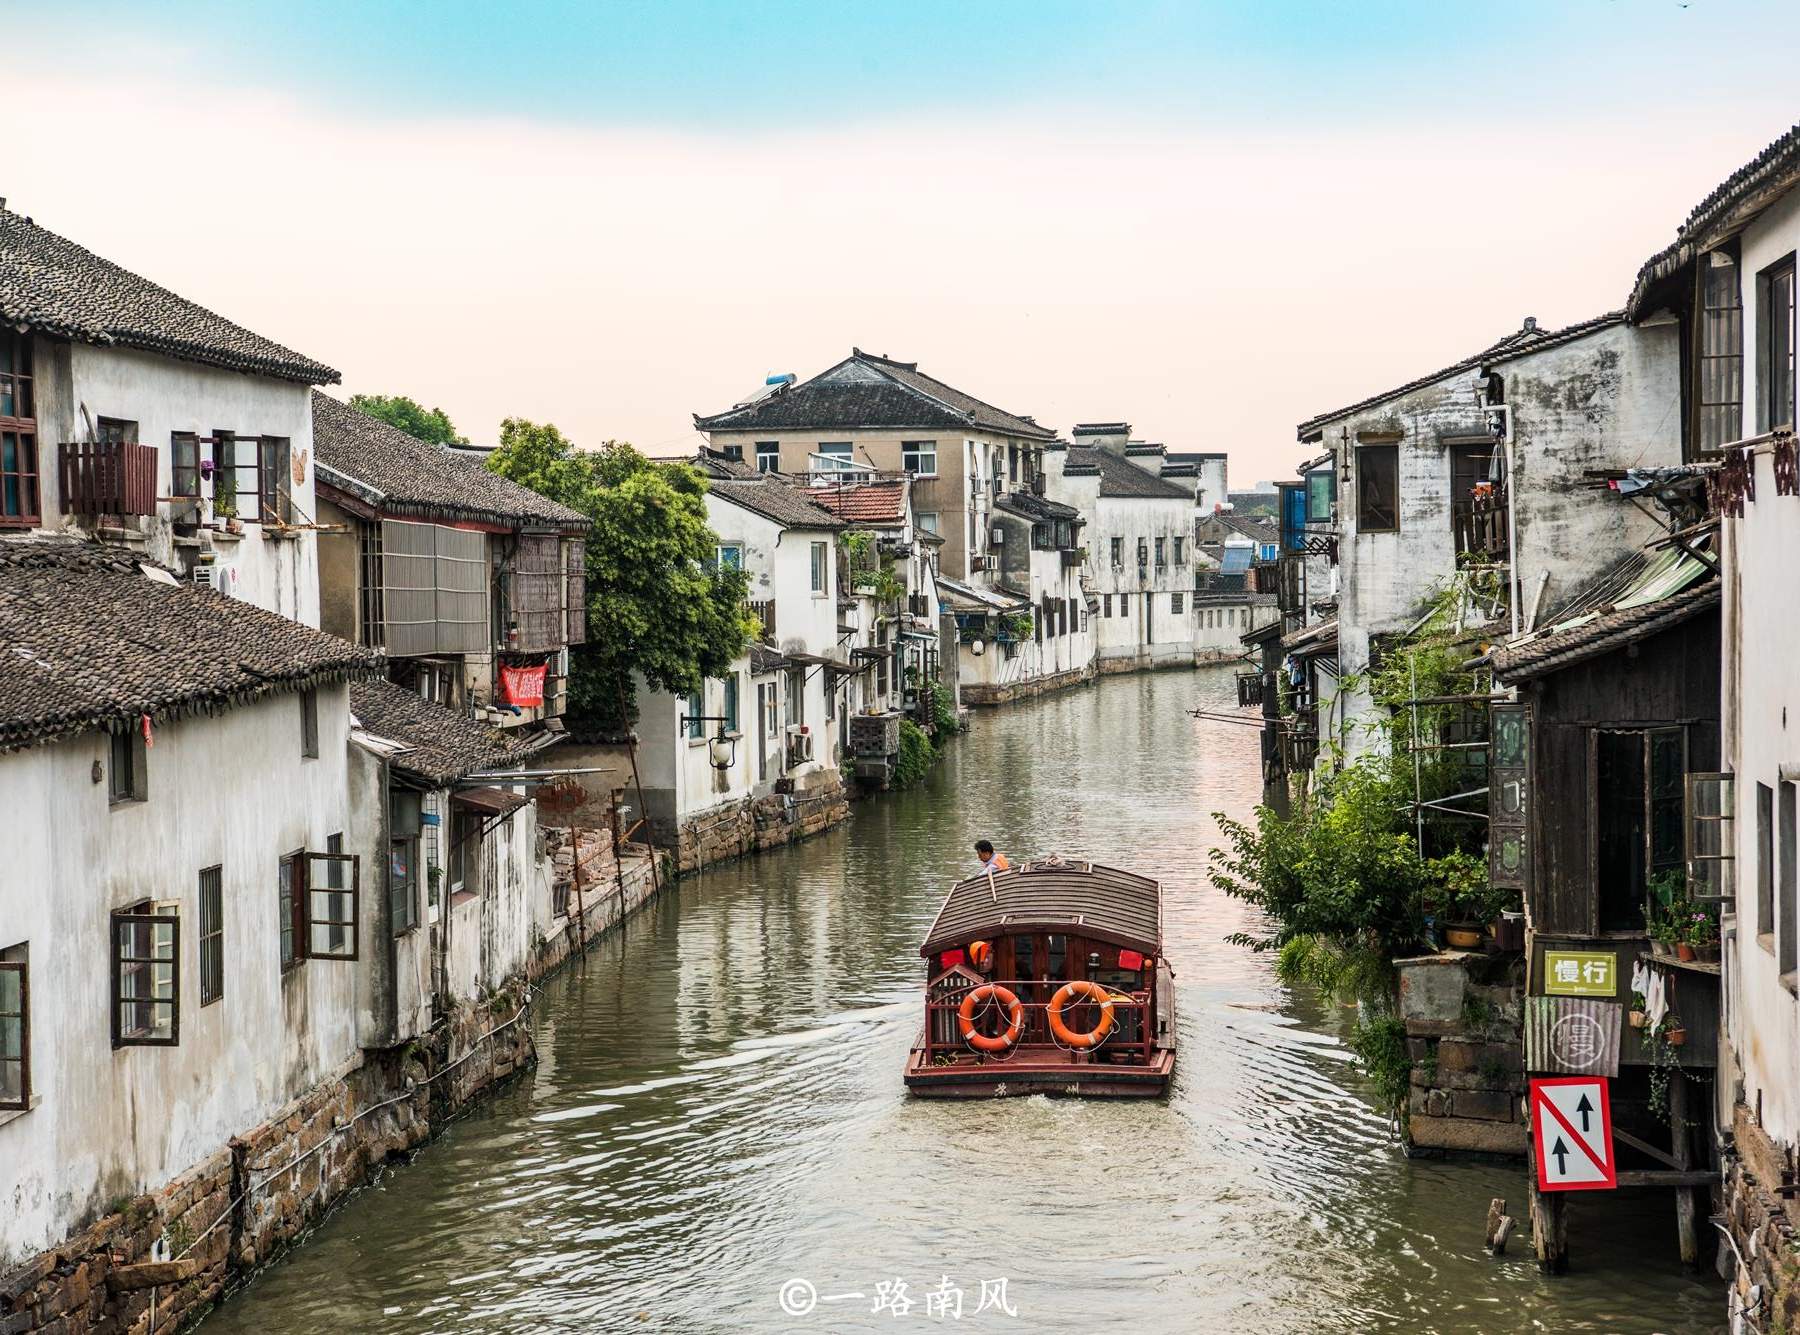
[332, 905]
[575, 597]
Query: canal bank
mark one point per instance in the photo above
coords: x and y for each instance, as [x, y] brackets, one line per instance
[717, 1110]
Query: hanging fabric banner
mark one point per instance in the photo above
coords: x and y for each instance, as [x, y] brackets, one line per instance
[522, 685]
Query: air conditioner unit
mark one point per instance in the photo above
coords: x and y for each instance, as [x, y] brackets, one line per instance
[220, 578]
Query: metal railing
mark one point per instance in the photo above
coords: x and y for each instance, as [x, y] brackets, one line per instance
[1131, 1031]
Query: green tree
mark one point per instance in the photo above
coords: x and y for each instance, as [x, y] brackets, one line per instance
[428, 424]
[658, 604]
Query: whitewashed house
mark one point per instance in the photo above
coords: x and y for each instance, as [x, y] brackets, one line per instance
[872, 413]
[1139, 547]
[1210, 471]
[184, 945]
[767, 729]
[129, 412]
[473, 585]
[1728, 282]
[1486, 460]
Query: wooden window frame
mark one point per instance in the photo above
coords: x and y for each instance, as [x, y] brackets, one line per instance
[211, 890]
[1699, 814]
[184, 477]
[820, 570]
[311, 917]
[135, 787]
[119, 962]
[1723, 368]
[309, 723]
[22, 1016]
[290, 953]
[1770, 415]
[1646, 733]
[768, 451]
[26, 473]
[1364, 452]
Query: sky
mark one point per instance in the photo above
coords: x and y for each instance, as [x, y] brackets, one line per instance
[1210, 220]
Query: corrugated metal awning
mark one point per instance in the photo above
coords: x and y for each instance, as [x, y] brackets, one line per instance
[492, 801]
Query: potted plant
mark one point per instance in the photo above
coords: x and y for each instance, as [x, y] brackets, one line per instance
[1673, 1031]
[1637, 1010]
[1467, 900]
[1665, 931]
[1703, 937]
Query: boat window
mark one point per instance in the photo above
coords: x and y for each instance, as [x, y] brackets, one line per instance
[1022, 957]
[1056, 964]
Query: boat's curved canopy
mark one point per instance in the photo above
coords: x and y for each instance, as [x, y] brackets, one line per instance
[1052, 895]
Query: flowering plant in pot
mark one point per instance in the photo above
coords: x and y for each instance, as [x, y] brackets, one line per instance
[1702, 936]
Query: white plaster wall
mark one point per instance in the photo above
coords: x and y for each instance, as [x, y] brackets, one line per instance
[1761, 725]
[1219, 628]
[231, 790]
[163, 396]
[1611, 399]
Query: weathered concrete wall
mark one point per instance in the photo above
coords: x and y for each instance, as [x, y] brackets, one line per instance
[752, 826]
[1610, 399]
[1764, 1226]
[1220, 624]
[978, 694]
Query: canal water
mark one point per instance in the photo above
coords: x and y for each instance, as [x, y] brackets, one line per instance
[717, 1120]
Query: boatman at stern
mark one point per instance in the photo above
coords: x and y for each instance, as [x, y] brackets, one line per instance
[991, 861]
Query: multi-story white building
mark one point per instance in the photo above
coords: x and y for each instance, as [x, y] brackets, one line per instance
[1139, 545]
[1728, 284]
[129, 412]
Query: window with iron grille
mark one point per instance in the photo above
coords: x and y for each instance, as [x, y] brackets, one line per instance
[212, 935]
[20, 498]
[146, 976]
[1175, 603]
[15, 1028]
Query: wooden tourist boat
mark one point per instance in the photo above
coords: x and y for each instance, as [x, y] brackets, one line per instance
[1048, 978]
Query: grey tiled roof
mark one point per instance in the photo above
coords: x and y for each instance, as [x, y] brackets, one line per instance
[787, 506]
[400, 474]
[88, 641]
[52, 285]
[1515, 344]
[1602, 634]
[865, 390]
[1037, 507]
[445, 746]
[1748, 190]
[1219, 525]
[1120, 477]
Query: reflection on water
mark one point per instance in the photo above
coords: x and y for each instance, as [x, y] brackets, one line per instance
[718, 1110]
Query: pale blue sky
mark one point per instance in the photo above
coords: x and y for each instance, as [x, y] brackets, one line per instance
[743, 65]
[1212, 220]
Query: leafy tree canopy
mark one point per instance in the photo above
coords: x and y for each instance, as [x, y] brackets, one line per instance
[428, 424]
[657, 601]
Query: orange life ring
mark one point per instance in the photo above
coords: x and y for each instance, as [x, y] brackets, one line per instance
[1090, 991]
[1015, 1018]
[981, 954]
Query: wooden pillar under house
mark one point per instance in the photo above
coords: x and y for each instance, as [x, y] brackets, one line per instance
[1687, 1208]
[1549, 1222]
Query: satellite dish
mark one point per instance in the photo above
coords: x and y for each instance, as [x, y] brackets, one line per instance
[977, 647]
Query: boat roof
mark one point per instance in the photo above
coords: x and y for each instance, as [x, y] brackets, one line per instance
[1052, 894]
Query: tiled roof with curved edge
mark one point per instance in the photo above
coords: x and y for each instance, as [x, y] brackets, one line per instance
[1120, 477]
[401, 474]
[1726, 208]
[865, 390]
[1516, 344]
[1600, 634]
[89, 641]
[787, 506]
[442, 745]
[51, 285]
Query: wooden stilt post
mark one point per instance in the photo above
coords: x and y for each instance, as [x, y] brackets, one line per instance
[580, 910]
[1680, 1143]
[1549, 1223]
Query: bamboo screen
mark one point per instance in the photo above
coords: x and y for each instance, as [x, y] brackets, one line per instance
[435, 586]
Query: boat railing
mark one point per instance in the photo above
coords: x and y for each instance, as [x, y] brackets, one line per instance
[1131, 1029]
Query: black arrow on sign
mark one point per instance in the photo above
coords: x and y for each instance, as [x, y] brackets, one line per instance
[1561, 1153]
[1584, 1108]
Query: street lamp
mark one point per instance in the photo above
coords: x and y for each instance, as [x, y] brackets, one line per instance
[721, 748]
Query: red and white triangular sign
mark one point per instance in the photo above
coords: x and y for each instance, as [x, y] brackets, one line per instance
[1571, 1132]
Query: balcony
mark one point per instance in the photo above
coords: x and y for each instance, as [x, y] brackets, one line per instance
[107, 477]
[1253, 688]
[1299, 750]
[1290, 591]
[763, 609]
[1480, 520]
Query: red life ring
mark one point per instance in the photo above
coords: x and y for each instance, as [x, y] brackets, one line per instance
[1015, 1018]
[1089, 991]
